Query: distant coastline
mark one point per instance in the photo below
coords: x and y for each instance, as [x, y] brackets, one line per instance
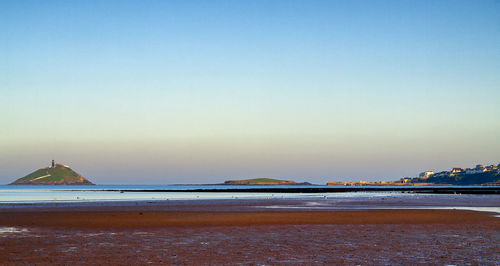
[441, 189]
[478, 176]
[59, 174]
[264, 181]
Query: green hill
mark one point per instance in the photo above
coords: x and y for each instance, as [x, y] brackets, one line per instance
[57, 175]
[259, 181]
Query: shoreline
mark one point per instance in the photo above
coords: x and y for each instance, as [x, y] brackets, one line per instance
[332, 201]
[256, 212]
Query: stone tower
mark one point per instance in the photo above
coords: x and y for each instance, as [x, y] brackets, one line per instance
[53, 163]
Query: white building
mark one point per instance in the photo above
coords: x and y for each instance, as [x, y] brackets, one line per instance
[426, 174]
[475, 171]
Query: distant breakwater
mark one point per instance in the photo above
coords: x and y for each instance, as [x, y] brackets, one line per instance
[409, 189]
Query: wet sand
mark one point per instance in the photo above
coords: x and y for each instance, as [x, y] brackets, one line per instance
[147, 219]
[236, 232]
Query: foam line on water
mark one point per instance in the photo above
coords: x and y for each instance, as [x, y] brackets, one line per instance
[323, 207]
[12, 230]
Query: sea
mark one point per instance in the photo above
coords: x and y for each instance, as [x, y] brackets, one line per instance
[14, 196]
[19, 194]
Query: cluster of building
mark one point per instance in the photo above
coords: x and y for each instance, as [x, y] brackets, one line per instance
[479, 169]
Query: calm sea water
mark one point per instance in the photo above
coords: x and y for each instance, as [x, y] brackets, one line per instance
[48, 194]
[15, 194]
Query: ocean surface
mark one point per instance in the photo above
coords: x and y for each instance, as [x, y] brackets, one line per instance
[27, 194]
[15, 194]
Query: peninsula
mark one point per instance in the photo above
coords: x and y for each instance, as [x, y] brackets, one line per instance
[479, 175]
[56, 174]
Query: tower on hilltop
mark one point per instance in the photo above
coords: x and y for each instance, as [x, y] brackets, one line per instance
[53, 163]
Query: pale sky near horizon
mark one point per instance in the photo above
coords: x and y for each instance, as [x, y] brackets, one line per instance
[162, 92]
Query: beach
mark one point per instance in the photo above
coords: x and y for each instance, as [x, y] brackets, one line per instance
[263, 232]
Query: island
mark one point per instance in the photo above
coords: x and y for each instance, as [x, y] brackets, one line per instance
[56, 174]
[263, 181]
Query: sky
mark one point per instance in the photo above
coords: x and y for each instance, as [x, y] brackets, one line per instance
[168, 92]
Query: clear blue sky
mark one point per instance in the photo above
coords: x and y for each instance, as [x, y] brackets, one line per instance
[203, 91]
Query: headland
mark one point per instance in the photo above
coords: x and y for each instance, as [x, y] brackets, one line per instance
[56, 174]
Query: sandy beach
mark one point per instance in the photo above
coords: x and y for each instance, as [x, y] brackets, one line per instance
[238, 232]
